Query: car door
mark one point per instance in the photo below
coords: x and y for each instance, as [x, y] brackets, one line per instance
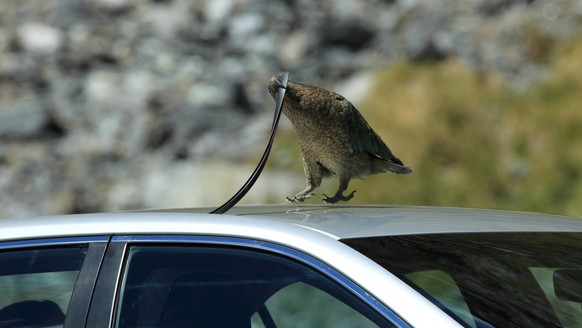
[205, 281]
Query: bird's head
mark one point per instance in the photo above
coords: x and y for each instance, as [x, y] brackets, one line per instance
[302, 98]
[296, 94]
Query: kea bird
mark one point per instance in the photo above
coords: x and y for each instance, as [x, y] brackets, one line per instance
[335, 139]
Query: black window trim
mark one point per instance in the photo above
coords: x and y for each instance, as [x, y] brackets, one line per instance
[105, 293]
[85, 286]
[51, 242]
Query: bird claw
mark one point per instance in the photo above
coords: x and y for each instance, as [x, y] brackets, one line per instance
[299, 198]
[337, 197]
[292, 200]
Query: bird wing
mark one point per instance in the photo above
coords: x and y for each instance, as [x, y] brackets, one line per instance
[364, 139]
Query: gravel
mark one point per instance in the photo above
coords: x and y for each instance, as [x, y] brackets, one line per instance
[93, 92]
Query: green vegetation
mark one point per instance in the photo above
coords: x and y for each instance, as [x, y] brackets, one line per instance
[474, 141]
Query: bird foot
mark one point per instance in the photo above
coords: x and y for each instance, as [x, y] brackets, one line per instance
[299, 198]
[337, 197]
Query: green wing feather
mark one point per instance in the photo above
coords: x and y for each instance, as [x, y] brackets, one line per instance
[368, 141]
[364, 139]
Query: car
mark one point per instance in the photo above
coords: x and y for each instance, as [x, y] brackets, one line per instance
[292, 266]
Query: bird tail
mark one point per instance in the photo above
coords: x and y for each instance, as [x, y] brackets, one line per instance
[398, 169]
[380, 165]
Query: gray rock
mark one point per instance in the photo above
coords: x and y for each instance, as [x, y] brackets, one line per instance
[203, 95]
[421, 28]
[39, 38]
[353, 34]
[296, 47]
[26, 119]
[33, 181]
[113, 6]
[92, 90]
[217, 10]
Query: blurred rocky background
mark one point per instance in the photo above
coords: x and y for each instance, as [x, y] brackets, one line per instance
[112, 105]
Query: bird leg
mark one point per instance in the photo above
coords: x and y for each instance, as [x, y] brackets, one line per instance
[339, 194]
[312, 183]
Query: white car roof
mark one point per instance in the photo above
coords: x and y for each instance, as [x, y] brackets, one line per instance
[369, 221]
[337, 221]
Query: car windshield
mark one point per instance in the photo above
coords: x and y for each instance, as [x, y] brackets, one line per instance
[489, 279]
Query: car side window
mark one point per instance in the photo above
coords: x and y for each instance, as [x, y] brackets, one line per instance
[212, 286]
[441, 285]
[36, 285]
[302, 305]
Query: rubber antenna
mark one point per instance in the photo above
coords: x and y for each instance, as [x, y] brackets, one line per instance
[251, 181]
